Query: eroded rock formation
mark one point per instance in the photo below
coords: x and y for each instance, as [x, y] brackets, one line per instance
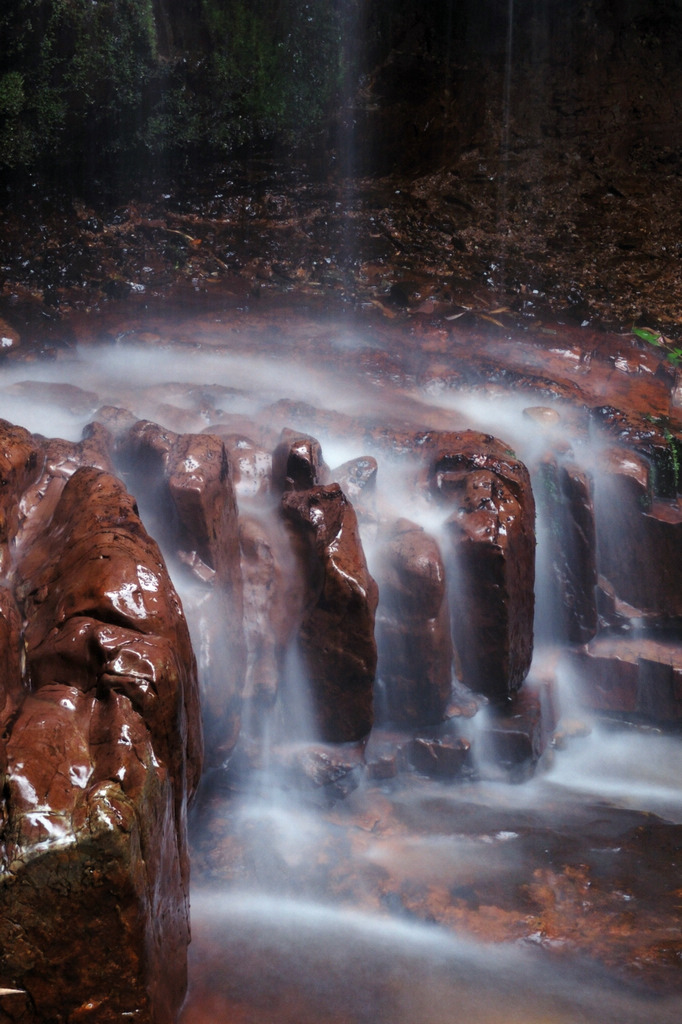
[102, 745]
[186, 482]
[336, 635]
[492, 557]
[413, 627]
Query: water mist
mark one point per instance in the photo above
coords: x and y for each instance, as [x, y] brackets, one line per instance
[374, 907]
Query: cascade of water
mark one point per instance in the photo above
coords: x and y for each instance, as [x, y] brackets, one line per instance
[411, 836]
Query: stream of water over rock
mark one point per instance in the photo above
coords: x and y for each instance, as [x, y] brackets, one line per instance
[536, 882]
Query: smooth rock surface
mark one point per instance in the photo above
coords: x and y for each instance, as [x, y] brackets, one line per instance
[190, 475]
[101, 749]
[413, 627]
[337, 629]
[491, 560]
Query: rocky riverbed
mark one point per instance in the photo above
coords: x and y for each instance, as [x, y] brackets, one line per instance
[289, 460]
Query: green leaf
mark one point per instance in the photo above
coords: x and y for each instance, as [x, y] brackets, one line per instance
[653, 337]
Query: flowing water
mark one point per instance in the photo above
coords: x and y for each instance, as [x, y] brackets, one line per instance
[305, 912]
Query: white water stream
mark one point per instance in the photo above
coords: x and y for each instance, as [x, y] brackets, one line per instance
[272, 958]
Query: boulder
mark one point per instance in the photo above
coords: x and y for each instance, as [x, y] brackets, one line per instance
[442, 756]
[357, 478]
[250, 464]
[638, 678]
[101, 752]
[491, 556]
[273, 599]
[297, 462]
[413, 627]
[91, 864]
[20, 465]
[565, 494]
[336, 635]
[639, 538]
[189, 474]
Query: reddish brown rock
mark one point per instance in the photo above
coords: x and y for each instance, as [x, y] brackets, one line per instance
[99, 760]
[58, 461]
[444, 757]
[11, 658]
[566, 497]
[639, 538]
[413, 627]
[20, 465]
[492, 557]
[90, 863]
[200, 487]
[273, 600]
[517, 734]
[66, 396]
[96, 562]
[297, 462]
[337, 629]
[639, 678]
[357, 478]
[650, 441]
[251, 465]
[115, 419]
[190, 474]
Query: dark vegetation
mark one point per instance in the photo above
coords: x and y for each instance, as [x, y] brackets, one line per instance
[93, 84]
[405, 149]
[97, 86]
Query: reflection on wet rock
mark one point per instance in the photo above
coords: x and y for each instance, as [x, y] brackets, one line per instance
[337, 628]
[102, 747]
[184, 481]
[491, 555]
[566, 493]
[297, 462]
[273, 601]
[413, 627]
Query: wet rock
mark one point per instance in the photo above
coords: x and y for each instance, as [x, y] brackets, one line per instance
[90, 863]
[517, 734]
[98, 759]
[189, 473]
[386, 753]
[117, 420]
[11, 658]
[201, 490]
[297, 462]
[305, 417]
[639, 539]
[566, 494]
[357, 479]
[94, 561]
[58, 460]
[67, 396]
[251, 465]
[491, 557]
[413, 627]
[649, 438]
[639, 678]
[337, 629]
[449, 455]
[442, 757]
[543, 415]
[273, 600]
[332, 772]
[20, 465]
